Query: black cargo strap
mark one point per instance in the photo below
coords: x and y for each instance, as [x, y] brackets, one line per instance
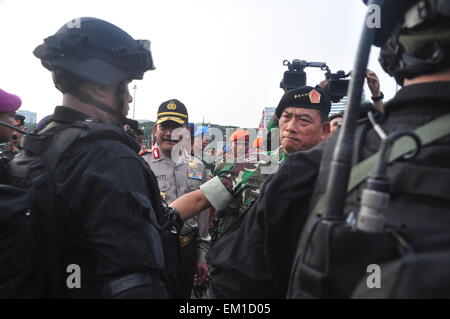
[60, 144]
[360, 134]
[116, 287]
[86, 98]
[428, 133]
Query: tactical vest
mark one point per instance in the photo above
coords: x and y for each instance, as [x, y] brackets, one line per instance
[333, 256]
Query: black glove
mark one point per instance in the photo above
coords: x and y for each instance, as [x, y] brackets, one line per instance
[173, 220]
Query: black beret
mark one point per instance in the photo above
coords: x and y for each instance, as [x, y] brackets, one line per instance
[305, 97]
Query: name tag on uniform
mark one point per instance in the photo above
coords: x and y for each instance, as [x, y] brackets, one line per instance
[195, 174]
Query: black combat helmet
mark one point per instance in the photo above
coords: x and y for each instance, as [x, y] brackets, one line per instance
[97, 51]
[93, 50]
[405, 53]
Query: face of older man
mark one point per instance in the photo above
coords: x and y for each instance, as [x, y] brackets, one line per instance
[301, 129]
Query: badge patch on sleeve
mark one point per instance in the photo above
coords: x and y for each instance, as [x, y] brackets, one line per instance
[195, 174]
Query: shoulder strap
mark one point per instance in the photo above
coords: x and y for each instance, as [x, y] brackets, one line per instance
[428, 133]
[60, 145]
[360, 134]
[54, 238]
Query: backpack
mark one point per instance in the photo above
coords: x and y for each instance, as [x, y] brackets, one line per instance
[30, 261]
[334, 257]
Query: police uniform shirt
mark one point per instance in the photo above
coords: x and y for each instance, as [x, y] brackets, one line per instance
[176, 179]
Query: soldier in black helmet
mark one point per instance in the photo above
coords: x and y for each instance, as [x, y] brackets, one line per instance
[415, 41]
[108, 198]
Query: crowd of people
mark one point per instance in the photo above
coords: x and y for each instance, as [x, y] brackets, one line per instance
[244, 216]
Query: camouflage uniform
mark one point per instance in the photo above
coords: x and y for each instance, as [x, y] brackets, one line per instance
[235, 188]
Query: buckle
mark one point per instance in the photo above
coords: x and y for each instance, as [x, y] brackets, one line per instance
[185, 240]
[145, 55]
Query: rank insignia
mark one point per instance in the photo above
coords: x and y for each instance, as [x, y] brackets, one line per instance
[195, 174]
[156, 153]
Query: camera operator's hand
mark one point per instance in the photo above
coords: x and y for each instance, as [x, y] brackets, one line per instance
[373, 83]
[324, 83]
[374, 86]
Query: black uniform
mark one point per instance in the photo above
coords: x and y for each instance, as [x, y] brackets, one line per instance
[4, 159]
[258, 264]
[7, 151]
[109, 201]
[418, 181]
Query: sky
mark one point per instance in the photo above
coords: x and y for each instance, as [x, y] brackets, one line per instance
[221, 58]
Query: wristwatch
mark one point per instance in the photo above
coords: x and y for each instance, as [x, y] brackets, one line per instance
[378, 98]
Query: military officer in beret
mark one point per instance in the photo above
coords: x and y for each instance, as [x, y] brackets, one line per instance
[236, 258]
[179, 173]
[9, 104]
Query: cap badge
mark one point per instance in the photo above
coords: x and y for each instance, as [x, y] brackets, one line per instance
[314, 96]
[192, 164]
[171, 105]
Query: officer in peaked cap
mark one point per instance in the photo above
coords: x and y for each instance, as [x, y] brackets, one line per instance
[178, 173]
[172, 110]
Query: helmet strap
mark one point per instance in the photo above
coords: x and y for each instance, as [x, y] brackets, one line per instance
[87, 99]
[120, 101]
